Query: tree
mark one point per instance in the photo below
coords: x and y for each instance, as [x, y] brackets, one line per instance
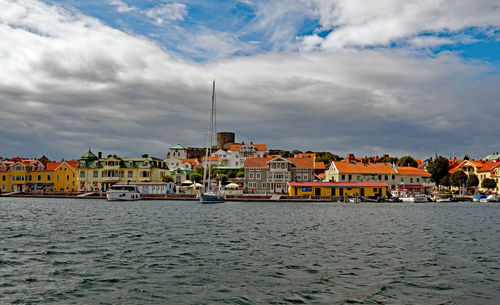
[458, 178]
[167, 178]
[295, 152]
[199, 170]
[285, 154]
[407, 161]
[223, 178]
[195, 177]
[387, 160]
[240, 173]
[473, 180]
[438, 168]
[466, 157]
[489, 183]
[445, 181]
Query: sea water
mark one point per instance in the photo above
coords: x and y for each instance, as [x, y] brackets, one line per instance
[87, 251]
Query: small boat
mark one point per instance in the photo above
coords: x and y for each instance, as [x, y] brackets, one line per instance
[442, 199]
[212, 197]
[478, 198]
[414, 198]
[490, 198]
[123, 192]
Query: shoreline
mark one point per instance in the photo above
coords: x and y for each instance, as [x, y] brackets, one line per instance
[192, 197]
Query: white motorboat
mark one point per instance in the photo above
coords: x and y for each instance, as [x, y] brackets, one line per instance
[490, 198]
[414, 198]
[124, 192]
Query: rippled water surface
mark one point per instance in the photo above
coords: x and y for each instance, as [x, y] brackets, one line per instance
[179, 252]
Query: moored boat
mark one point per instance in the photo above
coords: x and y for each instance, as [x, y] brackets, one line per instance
[123, 192]
[414, 198]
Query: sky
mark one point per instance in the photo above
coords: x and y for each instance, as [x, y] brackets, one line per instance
[126, 77]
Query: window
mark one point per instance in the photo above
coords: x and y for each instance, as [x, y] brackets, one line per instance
[252, 184]
[393, 177]
[418, 179]
[386, 177]
[82, 174]
[299, 177]
[67, 177]
[3, 187]
[49, 177]
[122, 174]
[264, 185]
[343, 176]
[130, 174]
[379, 177]
[283, 165]
[58, 177]
[358, 177]
[350, 177]
[250, 176]
[402, 179]
[4, 178]
[30, 177]
[39, 177]
[95, 174]
[411, 180]
[257, 176]
[305, 177]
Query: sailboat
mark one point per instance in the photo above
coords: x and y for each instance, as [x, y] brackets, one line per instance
[209, 195]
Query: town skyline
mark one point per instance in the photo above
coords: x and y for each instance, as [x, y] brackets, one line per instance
[134, 77]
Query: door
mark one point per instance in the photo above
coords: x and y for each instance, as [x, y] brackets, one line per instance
[341, 192]
[362, 191]
[317, 191]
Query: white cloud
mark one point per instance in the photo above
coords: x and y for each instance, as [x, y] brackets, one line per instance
[374, 23]
[168, 12]
[67, 80]
[122, 7]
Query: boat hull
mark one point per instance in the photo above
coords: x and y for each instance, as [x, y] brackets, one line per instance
[414, 199]
[122, 196]
[209, 198]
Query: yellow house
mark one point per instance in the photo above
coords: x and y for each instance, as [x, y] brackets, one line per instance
[337, 189]
[17, 173]
[482, 169]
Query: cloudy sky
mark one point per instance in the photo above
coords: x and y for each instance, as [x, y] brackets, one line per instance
[132, 77]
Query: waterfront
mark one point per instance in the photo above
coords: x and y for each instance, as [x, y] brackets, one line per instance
[93, 251]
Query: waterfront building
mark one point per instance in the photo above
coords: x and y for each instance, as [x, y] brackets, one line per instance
[97, 173]
[24, 175]
[492, 157]
[337, 189]
[482, 169]
[272, 174]
[62, 175]
[240, 151]
[353, 170]
[155, 188]
[180, 174]
[16, 173]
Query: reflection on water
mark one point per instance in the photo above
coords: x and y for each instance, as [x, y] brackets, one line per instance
[93, 251]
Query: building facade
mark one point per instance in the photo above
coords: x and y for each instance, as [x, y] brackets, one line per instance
[272, 174]
[96, 173]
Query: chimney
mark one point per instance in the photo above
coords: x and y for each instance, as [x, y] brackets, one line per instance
[99, 155]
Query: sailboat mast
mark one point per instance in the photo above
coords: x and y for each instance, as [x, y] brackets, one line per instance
[208, 150]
